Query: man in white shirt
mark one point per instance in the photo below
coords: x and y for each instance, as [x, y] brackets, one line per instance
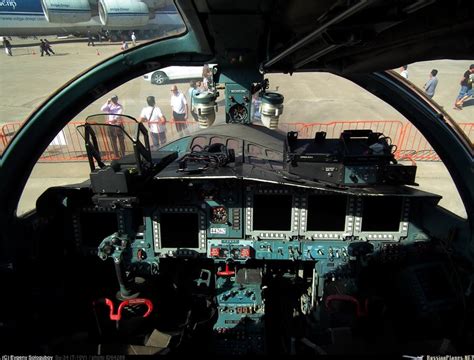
[115, 109]
[156, 122]
[404, 71]
[134, 39]
[179, 106]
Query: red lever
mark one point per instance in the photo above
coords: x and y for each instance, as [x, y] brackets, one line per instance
[226, 272]
[138, 301]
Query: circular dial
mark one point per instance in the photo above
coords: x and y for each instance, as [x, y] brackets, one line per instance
[219, 215]
[238, 112]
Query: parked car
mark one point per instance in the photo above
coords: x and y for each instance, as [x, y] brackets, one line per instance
[162, 76]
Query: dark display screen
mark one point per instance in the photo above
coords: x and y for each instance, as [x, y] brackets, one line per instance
[179, 230]
[326, 213]
[96, 226]
[381, 213]
[272, 212]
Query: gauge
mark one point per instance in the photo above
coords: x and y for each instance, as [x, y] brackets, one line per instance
[219, 215]
[238, 112]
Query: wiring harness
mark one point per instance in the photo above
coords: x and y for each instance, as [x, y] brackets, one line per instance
[212, 156]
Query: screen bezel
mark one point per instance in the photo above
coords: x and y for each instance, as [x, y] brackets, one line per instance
[271, 234]
[201, 222]
[77, 220]
[327, 234]
[380, 234]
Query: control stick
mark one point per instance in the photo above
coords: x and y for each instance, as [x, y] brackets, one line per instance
[117, 247]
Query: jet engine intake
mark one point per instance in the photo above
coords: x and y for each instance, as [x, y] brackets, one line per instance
[66, 11]
[123, 13]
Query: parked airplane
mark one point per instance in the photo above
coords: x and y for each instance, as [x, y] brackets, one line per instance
[61, 17]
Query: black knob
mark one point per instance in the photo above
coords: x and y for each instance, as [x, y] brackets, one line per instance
[108, 249]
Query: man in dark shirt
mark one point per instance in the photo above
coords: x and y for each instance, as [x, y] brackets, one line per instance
[48, 47]
[44, 48]
[90, 39]
[7, 46]
[466, 88]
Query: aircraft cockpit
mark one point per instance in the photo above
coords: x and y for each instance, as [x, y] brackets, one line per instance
[233, 228]
[244, 234]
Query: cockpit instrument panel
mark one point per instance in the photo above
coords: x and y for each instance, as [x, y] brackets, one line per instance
[241, 219]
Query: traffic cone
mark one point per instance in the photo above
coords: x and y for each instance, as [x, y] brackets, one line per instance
[98, 53]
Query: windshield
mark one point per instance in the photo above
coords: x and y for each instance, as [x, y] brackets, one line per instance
[313, 103]
[44, 49]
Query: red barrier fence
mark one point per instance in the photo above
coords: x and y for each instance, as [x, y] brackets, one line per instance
[3, 142]
[468, 129]
[414, 146]
[68, 145]
[412, 143]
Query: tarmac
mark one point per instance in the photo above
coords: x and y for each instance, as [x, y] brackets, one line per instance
[28, 79]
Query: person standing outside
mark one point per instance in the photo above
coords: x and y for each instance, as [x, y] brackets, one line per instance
[90, 40]
[180, 109]
[206, 77]
[404, 71]
[115, 109]
[431, 84]
[205, 84]
[156, 122]
[466, 88]
[44, 48]
[193, 89]
[134, 39]
[48, 47]
[8, 46]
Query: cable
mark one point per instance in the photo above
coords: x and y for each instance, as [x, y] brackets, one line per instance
[215, 155]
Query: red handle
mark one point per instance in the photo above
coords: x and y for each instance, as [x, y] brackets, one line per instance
[138, 301]
[348, 298]
[226, 272]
